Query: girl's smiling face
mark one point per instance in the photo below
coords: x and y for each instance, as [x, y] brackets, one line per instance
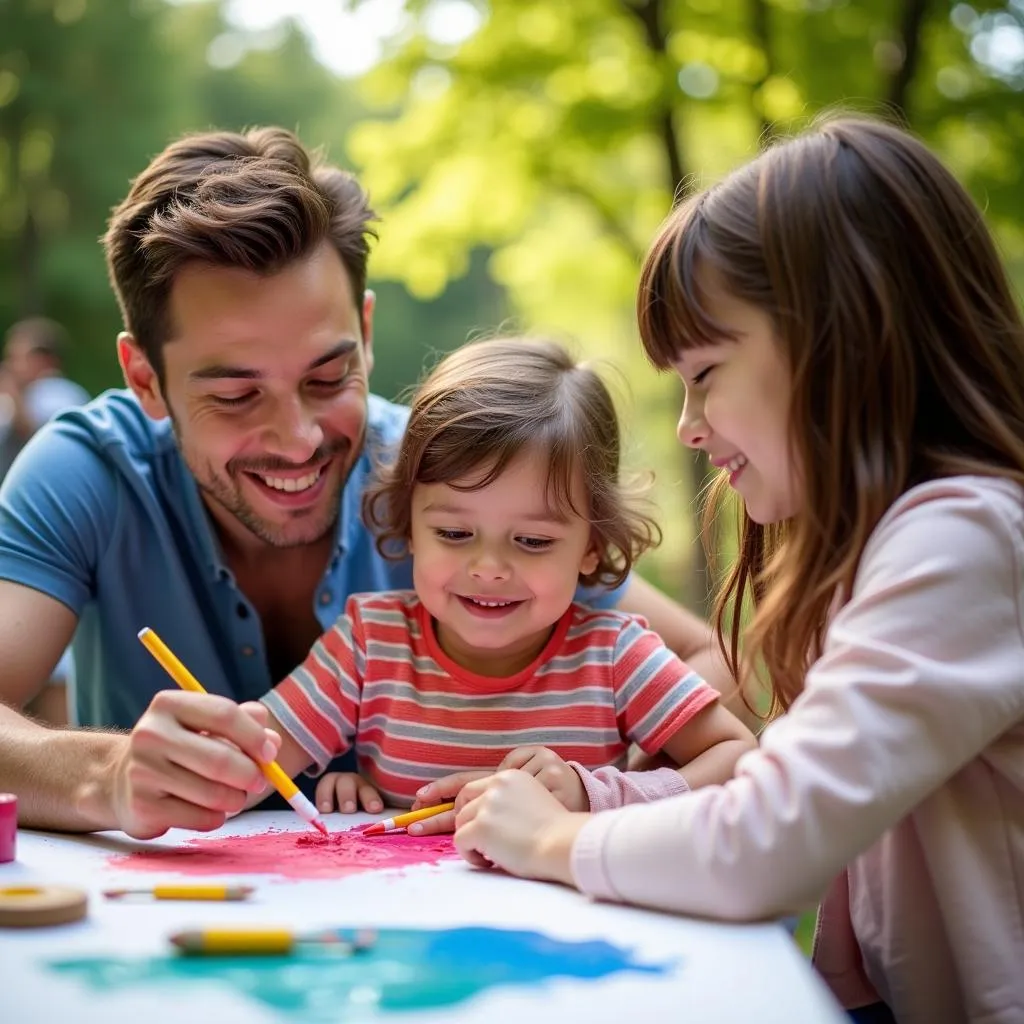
[737, 407]
[497, 566]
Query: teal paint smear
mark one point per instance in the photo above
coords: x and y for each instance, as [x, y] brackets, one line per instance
[406, 970]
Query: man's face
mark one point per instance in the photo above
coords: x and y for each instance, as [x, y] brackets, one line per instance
[265, 379]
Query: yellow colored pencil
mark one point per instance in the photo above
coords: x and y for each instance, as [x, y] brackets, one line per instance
[266, 941]
[272, 771]
[186, 892]
[405, 820]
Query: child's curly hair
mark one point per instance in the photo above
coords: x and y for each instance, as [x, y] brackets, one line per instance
[482, 406]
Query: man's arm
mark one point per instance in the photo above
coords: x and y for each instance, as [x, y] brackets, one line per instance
[57, 775]
[691, 638]
[51, 706]
[172, 770]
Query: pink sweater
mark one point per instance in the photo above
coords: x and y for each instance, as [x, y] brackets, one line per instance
[894, 786]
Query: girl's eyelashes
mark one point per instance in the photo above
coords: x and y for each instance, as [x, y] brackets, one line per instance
[699, 378]
[455, 536]
[451, 535]
[535, 543]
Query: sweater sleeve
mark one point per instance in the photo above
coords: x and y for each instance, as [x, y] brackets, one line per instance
[922, 669]
[608, 787]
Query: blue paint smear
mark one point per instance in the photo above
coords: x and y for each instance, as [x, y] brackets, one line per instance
[406, 970]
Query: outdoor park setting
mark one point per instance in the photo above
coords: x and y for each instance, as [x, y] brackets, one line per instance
[520, 154]
[563, 442]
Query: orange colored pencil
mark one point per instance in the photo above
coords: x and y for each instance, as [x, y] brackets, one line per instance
[405, 820]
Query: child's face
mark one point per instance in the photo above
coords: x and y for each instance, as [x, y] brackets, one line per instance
[497, 567]
[737, 408]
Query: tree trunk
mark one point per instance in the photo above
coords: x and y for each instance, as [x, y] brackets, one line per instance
[29, 296]
[912, 17]
[696, 590]
[760, 27]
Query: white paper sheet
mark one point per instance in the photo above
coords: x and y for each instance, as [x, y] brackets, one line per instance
[721, 973]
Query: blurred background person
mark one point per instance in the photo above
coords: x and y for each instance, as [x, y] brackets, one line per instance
[33, 389]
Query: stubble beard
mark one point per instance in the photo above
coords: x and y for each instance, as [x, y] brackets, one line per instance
[303, 526]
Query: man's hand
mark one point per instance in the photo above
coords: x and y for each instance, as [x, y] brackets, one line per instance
[190, 762]
[511, 821]
[347, 791]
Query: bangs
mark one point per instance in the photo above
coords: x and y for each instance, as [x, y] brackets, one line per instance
[671, 305]
[480, 466]
[565, 483]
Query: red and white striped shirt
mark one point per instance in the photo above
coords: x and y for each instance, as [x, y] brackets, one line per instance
[379, 679]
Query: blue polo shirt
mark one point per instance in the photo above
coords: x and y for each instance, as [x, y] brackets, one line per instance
[100, 512]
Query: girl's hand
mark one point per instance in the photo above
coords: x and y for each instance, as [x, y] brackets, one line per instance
[511, 821]
[348, 791]
[552, 773]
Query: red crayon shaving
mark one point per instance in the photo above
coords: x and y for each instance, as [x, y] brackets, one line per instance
[292, 855]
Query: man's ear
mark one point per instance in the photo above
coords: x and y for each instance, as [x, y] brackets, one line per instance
[369, 305]
[140, 376]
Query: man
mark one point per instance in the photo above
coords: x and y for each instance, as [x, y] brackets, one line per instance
[216, 500]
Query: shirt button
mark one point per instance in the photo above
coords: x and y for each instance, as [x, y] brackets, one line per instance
[325, 597]
[248, 651]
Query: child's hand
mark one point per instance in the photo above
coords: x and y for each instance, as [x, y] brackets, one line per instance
[511, 821]
[348, 791]
[441, 791]
[552, 773]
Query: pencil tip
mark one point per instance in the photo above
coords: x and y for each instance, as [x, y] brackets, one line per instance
[320, 827]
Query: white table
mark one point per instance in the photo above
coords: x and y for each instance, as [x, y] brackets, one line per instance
[717, 973]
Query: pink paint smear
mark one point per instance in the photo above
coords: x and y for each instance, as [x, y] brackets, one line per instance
[292, 855]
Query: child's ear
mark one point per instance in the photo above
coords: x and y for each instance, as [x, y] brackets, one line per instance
[588, 564]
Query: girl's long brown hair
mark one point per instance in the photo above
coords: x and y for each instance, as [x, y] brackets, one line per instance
[903, 337]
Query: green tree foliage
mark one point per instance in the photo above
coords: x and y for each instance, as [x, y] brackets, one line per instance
[89, 91]
[80, 100]
[557, 135]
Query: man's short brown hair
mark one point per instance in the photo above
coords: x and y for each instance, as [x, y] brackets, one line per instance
[257, 201]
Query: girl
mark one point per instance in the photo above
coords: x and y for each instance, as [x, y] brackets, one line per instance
[506, 492]
[854, 364]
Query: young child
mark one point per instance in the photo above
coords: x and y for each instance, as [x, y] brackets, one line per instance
[853, 358]
[506, 492]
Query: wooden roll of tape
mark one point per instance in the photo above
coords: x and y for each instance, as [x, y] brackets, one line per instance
[34, 906]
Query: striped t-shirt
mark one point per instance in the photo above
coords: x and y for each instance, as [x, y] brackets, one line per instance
[379, 679]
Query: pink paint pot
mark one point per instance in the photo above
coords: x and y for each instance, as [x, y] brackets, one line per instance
[8, 827]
